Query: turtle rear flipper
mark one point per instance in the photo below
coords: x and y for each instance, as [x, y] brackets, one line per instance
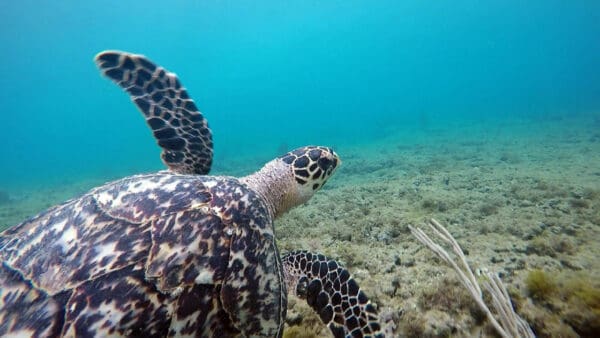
[332, 293]
[179, 128]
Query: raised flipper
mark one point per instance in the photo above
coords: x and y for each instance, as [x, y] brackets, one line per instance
[179, 128]
[332, 293]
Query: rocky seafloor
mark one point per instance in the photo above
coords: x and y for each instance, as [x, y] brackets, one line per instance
[522, 199]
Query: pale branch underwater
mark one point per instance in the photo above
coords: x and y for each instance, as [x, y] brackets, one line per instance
[524, 203]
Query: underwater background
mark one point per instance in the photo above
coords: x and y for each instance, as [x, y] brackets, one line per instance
[483, 114]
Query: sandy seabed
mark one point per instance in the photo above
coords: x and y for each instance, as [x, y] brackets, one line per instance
[521, 197]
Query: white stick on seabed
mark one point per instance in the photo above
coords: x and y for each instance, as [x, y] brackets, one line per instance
[506, 322]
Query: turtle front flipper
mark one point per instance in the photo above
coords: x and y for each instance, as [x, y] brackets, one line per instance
[330, 290]
[179, 128]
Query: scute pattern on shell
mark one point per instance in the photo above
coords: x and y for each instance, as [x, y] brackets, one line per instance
[67, 245]
[144, 247]
[255, 270]
[42, 317]
[121, 302]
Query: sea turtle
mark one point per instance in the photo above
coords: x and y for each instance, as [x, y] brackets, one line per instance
[178, 252]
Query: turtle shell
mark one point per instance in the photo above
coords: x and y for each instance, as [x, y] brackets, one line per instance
[160, 254]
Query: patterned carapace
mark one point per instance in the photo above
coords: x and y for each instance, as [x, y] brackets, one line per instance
[174, 253]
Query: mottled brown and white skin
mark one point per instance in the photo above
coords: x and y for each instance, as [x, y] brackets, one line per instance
[174, 253]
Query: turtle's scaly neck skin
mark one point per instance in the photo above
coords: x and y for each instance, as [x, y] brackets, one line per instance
[275, 183]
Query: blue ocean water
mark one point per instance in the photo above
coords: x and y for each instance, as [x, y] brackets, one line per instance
[273, 74]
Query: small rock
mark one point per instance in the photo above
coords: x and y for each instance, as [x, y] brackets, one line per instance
[494, 259]
[383, 237]
[438, 324]
[571, 229]
[409, 262]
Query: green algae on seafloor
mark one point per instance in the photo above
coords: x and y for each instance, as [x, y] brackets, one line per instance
[568, 304]
[583, 304]
[297, 331]
[540, 285]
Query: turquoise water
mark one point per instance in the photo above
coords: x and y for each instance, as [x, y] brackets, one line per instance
[482, 114]
[270, 75]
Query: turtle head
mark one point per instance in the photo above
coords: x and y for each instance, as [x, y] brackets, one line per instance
[311, 166]
[294, 177]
